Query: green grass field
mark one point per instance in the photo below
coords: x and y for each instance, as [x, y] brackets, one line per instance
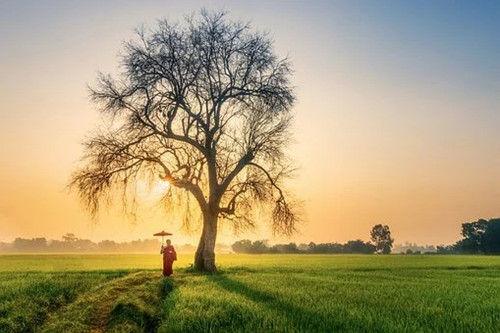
[251, 293]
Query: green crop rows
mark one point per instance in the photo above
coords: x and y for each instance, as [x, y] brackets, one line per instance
[259, 293]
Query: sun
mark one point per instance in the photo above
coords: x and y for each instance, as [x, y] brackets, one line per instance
[160, 187]
[151, 191]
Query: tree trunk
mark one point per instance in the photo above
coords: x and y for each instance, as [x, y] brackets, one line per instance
[204, 258]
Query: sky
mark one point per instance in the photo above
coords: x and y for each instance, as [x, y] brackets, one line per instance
[396, 119]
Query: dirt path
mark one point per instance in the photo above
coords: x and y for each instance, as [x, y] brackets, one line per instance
[109, 296]
[92, 311]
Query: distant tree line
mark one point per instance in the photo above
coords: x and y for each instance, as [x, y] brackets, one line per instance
[70, 243]
[380, 236]
[479, 237]
[261, 246]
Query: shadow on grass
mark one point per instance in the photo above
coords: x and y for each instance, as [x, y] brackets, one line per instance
[301, 318]
[126, 315]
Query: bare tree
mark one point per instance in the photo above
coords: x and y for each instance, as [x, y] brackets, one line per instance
[205, 105]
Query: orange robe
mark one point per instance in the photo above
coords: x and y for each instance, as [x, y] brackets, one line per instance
[169, 256]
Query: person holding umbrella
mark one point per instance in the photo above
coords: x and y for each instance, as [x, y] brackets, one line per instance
[169, 254]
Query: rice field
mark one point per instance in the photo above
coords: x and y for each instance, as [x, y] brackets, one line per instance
[250, 293]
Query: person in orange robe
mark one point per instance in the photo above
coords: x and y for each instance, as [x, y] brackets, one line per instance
[169, 256]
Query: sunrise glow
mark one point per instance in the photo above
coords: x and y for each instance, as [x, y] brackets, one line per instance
[160, 187]
[396, 114]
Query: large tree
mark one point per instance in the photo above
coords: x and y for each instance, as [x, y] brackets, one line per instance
[205, 105]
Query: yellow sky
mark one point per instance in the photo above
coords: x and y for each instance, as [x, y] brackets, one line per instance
[397, 115]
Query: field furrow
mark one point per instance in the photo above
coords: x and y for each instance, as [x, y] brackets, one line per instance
[126, 304]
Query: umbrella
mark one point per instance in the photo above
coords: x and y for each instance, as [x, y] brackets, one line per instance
[162, 233]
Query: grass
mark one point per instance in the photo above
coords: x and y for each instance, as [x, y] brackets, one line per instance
[279, 293]
[127, 304]
[28, 298]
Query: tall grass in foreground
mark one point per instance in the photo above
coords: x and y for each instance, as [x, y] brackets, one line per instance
[27, 299]
[377, 300]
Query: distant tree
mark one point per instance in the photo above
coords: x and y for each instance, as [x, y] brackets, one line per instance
[446, 249]
[473, 241]
[259, 247]
[277, 248]
[58, 246]
[326, 248]
[107, 246]
[302, 247]
[205, 105]
[284, 248]
[381, 237]
[311, 247]
[291, 248]
[30, 245]
[69, 238]
[358, 246]
[481, 236]
[85, 245]
[242, 246]
[491, 237]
